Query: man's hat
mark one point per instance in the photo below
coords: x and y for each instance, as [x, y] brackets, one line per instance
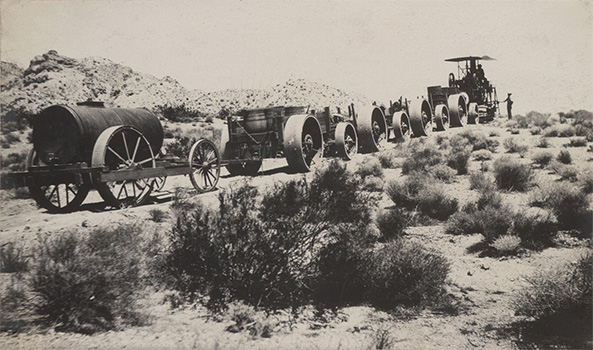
[510, 94]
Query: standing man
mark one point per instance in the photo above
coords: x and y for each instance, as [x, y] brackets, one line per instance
[509, 105]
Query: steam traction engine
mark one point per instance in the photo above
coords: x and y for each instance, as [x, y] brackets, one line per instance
[300, 135]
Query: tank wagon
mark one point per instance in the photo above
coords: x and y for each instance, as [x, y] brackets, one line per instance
[301, 135]
[113, 150]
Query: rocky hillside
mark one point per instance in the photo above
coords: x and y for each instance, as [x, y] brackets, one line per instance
[55, 79]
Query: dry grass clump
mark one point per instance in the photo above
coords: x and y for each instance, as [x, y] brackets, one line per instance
[560, 301]
[511, 175]
[479, 181]
[158, 215]
[420, 192]
[507, 244]
[568, 202]
[564, 157]
[512, 146]
[542, 158]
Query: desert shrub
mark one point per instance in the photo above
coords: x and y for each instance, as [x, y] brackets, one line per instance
[179, 113]
[419, 192]
[266, 249]
[157, 215]
[560, 300]
[535, 131]
[389, 158]
[560, 130]
[420, 156]
[14, 161]
[583, 123]
[482, 155]
[539, 120]
[209, 120]
[542, 158]
[568, 203]
[564, 157]
[512, 146]
[585, 179]
[442, 172]
[565, 171]
[512, 175]
[88, 284]
[183, 142]
[477, 140]
[392, 223]
[404, 273]
[536, 229]
[493, 133]
[458, 159]
[371, 167]
[479, 181]
[506, 244]
[495, 222]
[577, 142]
[543, 143]
[515, 131]
[13, 258]
[246, 317]
[462, 223]
[373, 184]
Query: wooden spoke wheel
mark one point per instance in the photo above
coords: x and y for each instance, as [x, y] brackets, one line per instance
[472, 114]
[158, 183]
[204, 161]
[122, 148]
[346, 140]
[249, 168]
[421, 118]
[441, 118]
[457, 110]
[303, 142]
[56, 198]
[372, 129]
[401, 126]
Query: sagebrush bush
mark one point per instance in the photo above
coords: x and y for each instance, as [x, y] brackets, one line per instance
[536, 230]
[542, 158]
[420, 156]
[477, 140]
[371, 167]
[566, 171]
[458, 159]
[88, 284]
[513, 146]
[482, 155]
[560, 300]
[442, 172]
[373, 184]
[158, 215]
[512, 175]
[583, 123]
[569, 204]
[389, 159]
[535, 131]
[586, 181]
[543, 143]
[564, 157]
[404, 273]
[577, 142]
[419, 192]
[560, 130]
[392, 223]
[479, 181]
[179, 113]
[13, 258]
[14, 161]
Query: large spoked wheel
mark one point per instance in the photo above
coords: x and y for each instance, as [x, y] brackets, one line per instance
[457, 110]
[303, 142]
[441, 118]
[401, 126]
[249, 168]
[58, 198]
[421, 118]
[346, 140]
[158, 183]
[372, 129]
[204, 161]
[121, 148]
[473, 115]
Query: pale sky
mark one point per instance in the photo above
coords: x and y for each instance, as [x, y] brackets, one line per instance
[383, 49]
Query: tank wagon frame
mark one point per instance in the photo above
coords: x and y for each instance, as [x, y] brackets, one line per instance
[112, 150]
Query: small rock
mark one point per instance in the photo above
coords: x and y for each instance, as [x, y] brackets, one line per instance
[484, 267]
[85, 223]
[469, 273]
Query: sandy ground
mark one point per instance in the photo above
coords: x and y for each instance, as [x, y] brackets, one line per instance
[482, 287]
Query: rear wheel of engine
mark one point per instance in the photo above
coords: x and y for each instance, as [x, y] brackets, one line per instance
[346, 140]
[441, 118]
[303, 142]
[401, 126]
[249, 168]
[472, 115]
[58, 198]
[457, 110]
[421, 118]
[372, 129]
